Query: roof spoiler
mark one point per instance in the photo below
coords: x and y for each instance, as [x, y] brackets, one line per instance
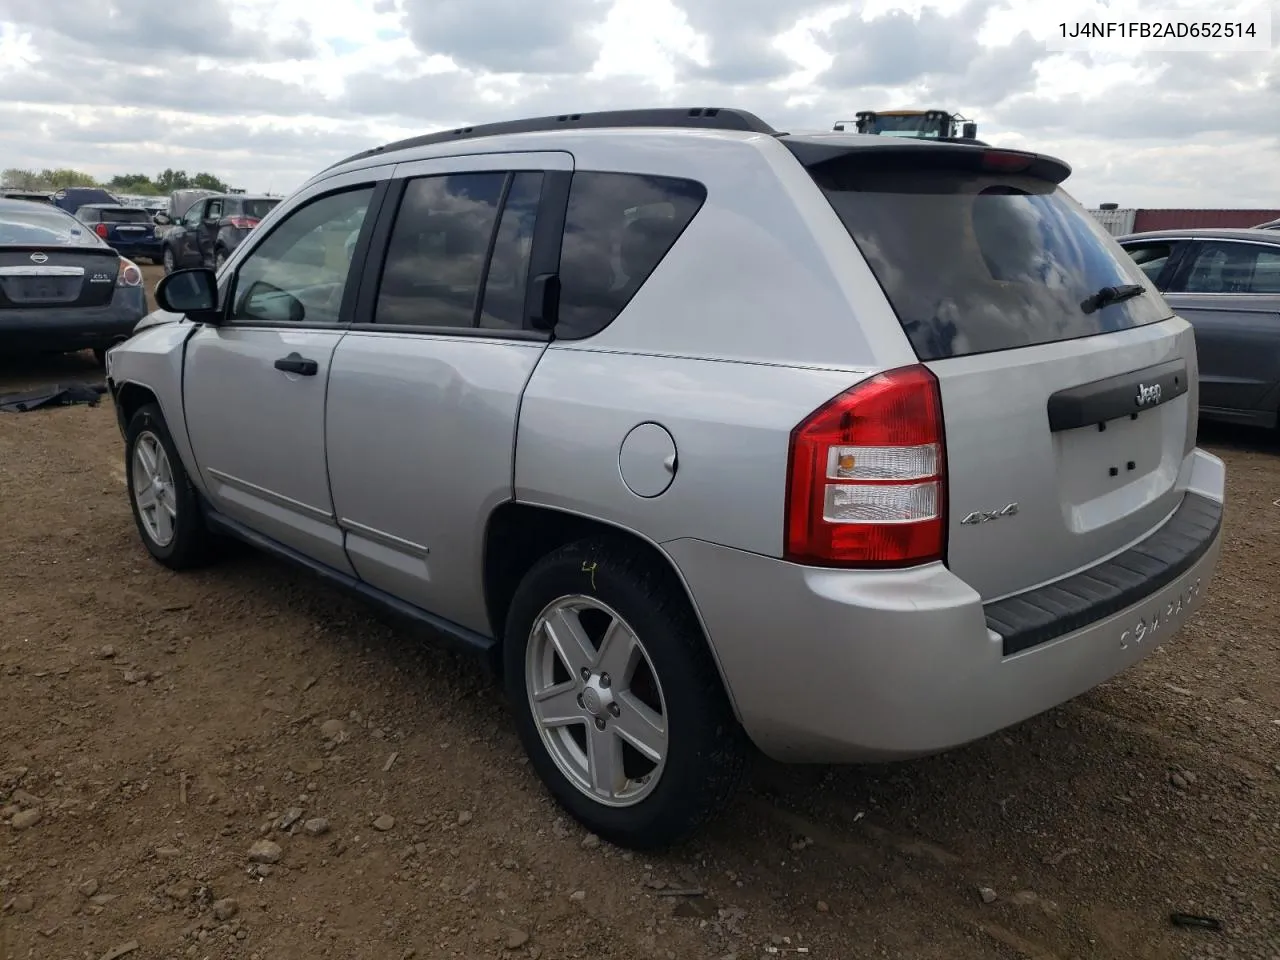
[817, 153]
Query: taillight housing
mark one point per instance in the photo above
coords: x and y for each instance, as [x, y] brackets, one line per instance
[866, 477]
[101, 230]
[243, 223]
[129, 274]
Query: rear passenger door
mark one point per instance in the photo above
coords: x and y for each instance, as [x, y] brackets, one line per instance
[425, 387]
[1229, 290]
[208, 231]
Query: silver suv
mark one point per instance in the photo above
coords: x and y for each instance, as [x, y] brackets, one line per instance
[708, 435]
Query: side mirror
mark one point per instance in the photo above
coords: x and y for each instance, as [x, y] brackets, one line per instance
[193, 292]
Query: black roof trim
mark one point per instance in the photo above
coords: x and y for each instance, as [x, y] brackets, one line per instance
[705, 118]
[814, 151]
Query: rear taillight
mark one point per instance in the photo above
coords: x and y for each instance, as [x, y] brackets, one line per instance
[130, 275]
[999, 161]
[243, 223]
[866, 480]
[101, 230]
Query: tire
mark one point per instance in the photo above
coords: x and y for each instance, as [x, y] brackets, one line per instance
[167, 260]
[704, 748]
[189, 543]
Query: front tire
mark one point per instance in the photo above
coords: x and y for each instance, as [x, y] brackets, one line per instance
[616, 698]
[166, 507]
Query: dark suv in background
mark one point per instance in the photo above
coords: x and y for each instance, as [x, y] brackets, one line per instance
[130, 230]
[211, 229]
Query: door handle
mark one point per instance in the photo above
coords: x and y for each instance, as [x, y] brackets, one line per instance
[296, 363]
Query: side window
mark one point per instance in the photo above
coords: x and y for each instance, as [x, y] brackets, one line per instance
[439, 244]
[195, 214]
[298, 273]
[508, 274]
[617, 229]
[1234, 268]
[1150, 257]
[214, 211]
[1266, 271]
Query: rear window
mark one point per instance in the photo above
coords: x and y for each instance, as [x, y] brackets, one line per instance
[617, 229]
[257, 208]
[974, 263]
[43, 226]
[123, 215]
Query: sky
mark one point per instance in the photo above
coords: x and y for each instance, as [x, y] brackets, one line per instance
[264, 93]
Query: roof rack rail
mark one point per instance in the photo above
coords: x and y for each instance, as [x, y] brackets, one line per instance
[706, 118]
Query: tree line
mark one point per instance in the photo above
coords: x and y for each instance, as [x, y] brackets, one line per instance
[161, 184]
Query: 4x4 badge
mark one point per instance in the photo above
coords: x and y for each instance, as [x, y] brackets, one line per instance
[981, 516]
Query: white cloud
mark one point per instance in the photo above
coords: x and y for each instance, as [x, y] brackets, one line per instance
[266, 92]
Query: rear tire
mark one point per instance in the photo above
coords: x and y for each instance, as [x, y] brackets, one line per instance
[663, 699]
[166, 507]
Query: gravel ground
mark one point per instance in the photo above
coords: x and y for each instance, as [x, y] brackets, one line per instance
[239, 763]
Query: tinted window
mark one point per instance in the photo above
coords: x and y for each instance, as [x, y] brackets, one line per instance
[87, 214]
[617, 229]
[1234, 268]
[124, 215]
[435, 260]
[973, 263]
[257, 208]
[298, 273]
[1150, 257]
[37, 223]
[507, 279]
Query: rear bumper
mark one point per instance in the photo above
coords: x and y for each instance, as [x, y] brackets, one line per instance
[843, 666]
[63, 329]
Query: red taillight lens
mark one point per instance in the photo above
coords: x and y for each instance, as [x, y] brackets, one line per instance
[129, 275]
[999, 161]
[101, 230]
[243, 223]
[866, 479]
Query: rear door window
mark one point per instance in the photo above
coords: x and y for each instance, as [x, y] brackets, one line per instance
[439, 244]
[1152, 258]
[978, 262]
[618, 227]
[1231, 268]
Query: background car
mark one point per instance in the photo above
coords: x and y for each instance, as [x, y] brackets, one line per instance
[129, 230]
[1269, 225]
[72, 199]
[1226, 282]
[212, 228]
[14, 193]
[62, 287]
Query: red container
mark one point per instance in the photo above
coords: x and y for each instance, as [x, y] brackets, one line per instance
[1190, 219]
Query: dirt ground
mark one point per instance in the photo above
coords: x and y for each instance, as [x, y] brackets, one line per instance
[156, 726]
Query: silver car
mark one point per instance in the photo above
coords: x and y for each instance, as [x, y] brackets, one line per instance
[1226, 282]
[707, 435]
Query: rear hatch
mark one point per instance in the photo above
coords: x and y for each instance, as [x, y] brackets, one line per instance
[126, 225]
[1069, 411]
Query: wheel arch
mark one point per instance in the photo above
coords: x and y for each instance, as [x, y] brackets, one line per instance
[518, 535]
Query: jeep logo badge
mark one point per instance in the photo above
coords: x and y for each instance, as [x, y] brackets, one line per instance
[1148, 394]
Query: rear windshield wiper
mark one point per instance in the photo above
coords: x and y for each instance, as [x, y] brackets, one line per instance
[1109, 295]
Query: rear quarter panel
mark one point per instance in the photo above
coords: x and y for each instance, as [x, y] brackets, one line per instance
[731, 423]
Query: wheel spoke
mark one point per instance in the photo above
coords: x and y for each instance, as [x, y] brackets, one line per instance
[146, 457]
[618, 654]
[641, 726]
[558, 706]
[164, 524]
[146, 496]
[572, 643]
[604, 762]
